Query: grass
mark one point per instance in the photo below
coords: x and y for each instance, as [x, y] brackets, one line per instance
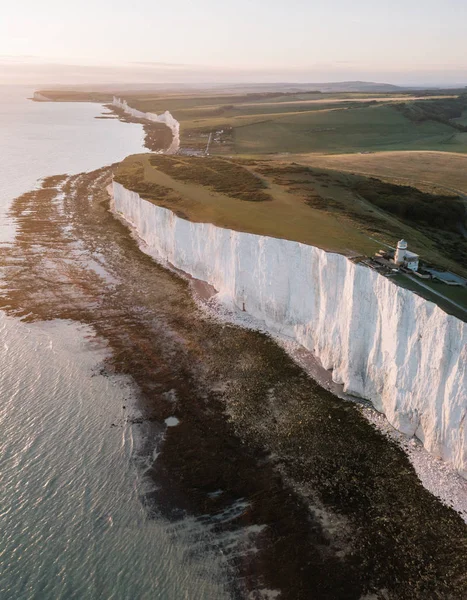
[176, 103]
[286, 215]
[431, 171]
[442, 110]
[462, 120]
[339, 123]
[458, 295]
[265, 123]
[314, 206]
[216, 174]
[435, 214]
[75, 96]
[369, 128]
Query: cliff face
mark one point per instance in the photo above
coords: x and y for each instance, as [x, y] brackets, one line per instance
[165, 118]
[382, 342]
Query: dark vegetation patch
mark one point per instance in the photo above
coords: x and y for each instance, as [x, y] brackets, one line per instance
[157, 136]
[293, 168]
[371, 223]
[441, 218]
[410, 204]
[442, 110]
[220, 175]
[132, 178]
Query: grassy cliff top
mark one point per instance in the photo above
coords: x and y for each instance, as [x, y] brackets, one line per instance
[340, 212]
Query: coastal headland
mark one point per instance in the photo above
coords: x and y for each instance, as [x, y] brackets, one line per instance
[301, 493]
[337, 509]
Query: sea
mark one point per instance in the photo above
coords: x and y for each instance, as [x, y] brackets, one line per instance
[72, 524]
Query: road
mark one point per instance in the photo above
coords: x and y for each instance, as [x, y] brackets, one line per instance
[423, 285]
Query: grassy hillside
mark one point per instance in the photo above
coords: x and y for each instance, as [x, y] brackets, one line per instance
[310, 122]
[462, 120]
[285, 214]
[436, 172]
[369, 128]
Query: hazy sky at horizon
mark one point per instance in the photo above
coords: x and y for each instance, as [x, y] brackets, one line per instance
[398, 38]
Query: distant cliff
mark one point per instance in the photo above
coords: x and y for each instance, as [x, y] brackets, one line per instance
[166, 118]
[38, 97]
[382, 342]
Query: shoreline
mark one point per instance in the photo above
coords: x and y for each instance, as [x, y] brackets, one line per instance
[152, 125]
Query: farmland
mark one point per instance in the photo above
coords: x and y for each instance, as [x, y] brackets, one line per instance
[335, 131]
[314, 122]
[332, 123]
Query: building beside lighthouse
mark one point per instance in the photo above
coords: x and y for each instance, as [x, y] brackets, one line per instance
[404, 258]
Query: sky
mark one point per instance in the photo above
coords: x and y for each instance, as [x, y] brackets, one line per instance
[397, 41]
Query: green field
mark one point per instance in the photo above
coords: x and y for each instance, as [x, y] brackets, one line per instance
[177, 103]
[285, 214]
[326, 123]
[463, 119]
[370, 128]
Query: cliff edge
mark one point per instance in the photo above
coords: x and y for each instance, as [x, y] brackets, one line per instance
[382, 342]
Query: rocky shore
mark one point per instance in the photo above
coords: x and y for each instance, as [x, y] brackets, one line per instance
[302, 496]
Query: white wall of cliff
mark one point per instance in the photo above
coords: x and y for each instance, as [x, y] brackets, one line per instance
[166, 118]
[38, 97]
[382, 342]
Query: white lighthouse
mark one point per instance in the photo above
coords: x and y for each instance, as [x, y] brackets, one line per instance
[399, 257]
[405, 258]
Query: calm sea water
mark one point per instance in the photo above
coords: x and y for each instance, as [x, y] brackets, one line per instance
[71, 523]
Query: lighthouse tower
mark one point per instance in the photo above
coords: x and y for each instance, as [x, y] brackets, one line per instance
[399, 257]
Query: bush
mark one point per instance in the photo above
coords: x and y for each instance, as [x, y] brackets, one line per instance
[410, 204]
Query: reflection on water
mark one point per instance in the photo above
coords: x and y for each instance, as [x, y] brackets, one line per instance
[72, 522]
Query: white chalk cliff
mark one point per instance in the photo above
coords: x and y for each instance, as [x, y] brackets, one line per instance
[38, 97]
[166, 118]
[382, 342]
